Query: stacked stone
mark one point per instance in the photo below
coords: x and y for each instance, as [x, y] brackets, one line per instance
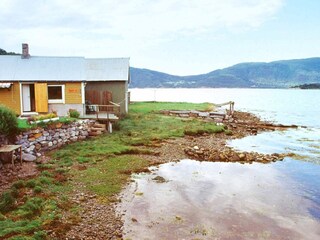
[218, 116]
[35, 142]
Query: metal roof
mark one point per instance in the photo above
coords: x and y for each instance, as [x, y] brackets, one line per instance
[14, 68]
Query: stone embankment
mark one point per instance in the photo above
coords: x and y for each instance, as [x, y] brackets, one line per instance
[37, 141]
[217, 116]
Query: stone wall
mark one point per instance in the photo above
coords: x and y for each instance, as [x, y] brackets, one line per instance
[35, 142]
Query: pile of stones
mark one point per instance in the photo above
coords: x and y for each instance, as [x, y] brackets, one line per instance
[218, 116]
[227, 154]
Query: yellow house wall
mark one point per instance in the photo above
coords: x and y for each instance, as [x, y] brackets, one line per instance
[11, 97]
[73, 93]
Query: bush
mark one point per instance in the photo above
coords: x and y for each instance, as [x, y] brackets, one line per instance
[43, 117]
[74, 113]
[8, 122]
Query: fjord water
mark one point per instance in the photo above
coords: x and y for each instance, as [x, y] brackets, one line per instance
[205, 200]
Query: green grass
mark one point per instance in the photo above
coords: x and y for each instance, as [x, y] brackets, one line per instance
[30, 206]
[23, 124]
[107, 178]
[148, 107]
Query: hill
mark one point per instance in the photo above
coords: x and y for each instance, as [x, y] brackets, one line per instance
[277, 74]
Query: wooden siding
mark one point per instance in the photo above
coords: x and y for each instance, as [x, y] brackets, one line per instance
[41, 97]
[117, 90]
[11, 97]
[73, 93]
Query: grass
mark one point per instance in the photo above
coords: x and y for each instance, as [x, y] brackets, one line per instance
[30, 207]
[107, 178]
[23, 124]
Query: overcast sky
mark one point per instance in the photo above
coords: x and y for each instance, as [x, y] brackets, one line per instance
[175, 36]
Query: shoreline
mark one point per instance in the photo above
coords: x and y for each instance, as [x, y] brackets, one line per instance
[174, 150]
[97, 217]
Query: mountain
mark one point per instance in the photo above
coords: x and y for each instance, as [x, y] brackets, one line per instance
[277, 74]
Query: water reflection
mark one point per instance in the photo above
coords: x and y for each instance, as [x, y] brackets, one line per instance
[204, 200]
[304, 142]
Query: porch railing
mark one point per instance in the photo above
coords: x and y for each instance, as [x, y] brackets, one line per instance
[103, 111]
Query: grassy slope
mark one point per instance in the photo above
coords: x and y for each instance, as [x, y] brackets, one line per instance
[39, 205]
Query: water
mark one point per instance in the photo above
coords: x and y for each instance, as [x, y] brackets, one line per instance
[205, 200]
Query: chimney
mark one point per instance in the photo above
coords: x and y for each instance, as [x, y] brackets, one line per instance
[25, 51]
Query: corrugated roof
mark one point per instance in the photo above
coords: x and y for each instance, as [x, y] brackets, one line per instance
[13, 68]
[98, 69]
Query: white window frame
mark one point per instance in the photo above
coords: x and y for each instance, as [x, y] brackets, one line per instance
[63, 94]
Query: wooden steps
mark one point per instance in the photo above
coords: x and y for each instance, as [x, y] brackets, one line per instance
[97, 129]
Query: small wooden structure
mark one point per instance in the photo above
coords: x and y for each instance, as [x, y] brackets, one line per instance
[11, 149]
[231, 106]
[109, 112]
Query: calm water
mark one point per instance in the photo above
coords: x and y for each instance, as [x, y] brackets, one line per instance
[203, 200]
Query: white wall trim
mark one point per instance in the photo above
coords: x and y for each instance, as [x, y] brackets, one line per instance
[63, 94]
[21, 106]
[83, 92]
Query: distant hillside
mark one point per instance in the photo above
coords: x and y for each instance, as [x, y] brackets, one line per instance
[308, 86]
[278, 74]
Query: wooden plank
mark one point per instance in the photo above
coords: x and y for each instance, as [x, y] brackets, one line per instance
[41, 97]
[9, 148]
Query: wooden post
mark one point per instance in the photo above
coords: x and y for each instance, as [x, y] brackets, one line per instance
[12, 159]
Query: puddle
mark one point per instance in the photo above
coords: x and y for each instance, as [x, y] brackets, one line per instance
[205, 200]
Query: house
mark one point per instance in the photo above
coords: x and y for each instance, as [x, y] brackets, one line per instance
[35, 84]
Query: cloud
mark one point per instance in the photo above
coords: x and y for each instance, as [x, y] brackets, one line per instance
[123, 27]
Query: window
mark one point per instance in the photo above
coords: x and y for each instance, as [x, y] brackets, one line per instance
[56, 93]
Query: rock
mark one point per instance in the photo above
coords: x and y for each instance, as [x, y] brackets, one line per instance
[46, 134]
[28, 157]
[159, 179]
[50, 144]
[196, 148]
[37, 135]
[242, 156]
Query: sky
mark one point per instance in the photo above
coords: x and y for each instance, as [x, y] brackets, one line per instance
[181, 37]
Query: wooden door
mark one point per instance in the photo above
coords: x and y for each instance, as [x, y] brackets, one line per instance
[41, 97]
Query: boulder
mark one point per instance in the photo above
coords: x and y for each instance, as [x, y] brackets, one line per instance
[28, 157]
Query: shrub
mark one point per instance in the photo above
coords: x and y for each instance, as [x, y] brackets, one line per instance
[8, 122]
[74, 113]
[44, 117]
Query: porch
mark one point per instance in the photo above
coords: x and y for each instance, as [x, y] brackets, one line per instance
[110, 112]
